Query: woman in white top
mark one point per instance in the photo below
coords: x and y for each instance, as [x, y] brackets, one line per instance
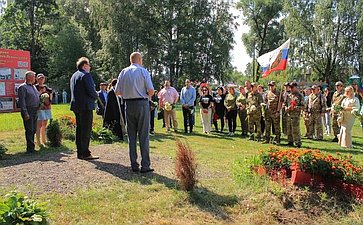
[350, 105]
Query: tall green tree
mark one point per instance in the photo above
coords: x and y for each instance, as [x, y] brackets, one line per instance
[24, 26]
[266, 30]
[178, 38]
[326, 35]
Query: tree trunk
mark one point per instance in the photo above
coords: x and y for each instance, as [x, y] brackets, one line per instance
[32, 26]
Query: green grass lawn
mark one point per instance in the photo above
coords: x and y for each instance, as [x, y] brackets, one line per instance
[218, 199]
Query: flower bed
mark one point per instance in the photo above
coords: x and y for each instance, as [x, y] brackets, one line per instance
[311, 167]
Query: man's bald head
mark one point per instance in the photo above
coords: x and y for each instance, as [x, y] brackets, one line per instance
[136, 57]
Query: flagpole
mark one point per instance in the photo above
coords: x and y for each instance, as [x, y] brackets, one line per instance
[253, 61]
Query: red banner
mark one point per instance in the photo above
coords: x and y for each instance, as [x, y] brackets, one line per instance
[13, 65]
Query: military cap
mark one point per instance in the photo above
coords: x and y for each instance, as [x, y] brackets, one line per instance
[293, 84]
[271, 83]
[287, 84]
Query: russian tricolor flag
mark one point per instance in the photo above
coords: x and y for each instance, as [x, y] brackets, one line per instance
[274, 60]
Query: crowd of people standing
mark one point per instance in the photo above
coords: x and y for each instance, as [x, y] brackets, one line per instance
[130, 104]
[263, 115]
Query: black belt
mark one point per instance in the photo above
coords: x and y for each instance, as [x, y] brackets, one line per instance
[135, 99]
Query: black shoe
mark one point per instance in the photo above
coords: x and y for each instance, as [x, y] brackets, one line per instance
[146, 170]
[335, 139]
[135, 170]
[152, 132]
[30, 151]
[298, 145]
[90, 157]
[266, 142]
[291, 144]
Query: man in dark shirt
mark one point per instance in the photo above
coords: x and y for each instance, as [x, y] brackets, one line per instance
[29, 104]
[83, 97]
[102, 99]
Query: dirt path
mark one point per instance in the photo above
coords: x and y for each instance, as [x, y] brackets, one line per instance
[62, 172]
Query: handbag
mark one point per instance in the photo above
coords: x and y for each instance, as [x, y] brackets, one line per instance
[160, 114]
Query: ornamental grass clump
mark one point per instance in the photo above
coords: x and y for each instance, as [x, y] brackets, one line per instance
[186, 166]
[314, 162]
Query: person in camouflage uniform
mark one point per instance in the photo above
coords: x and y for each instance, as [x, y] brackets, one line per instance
[283, 112]
[337, 99]
[314, 109]
[242, 112]
[306, 117]
[254, 112]
[293, 105]
[273, 100]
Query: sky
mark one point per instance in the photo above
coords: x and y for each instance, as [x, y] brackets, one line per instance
[240, 57]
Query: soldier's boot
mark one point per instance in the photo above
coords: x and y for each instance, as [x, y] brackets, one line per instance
[266, 141]
[335, 139]
[277, 140]
[252, 137]
[258, 138]
[298, 145]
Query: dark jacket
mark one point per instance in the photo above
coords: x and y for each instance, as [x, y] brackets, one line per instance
[100, 110]
[112, 111]
[83, 92]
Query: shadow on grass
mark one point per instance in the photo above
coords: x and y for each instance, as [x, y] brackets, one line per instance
[201, 197]
[43, 155]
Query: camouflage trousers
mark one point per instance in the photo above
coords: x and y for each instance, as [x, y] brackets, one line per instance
[284, 122]
[272, 118]
[254, 120]
[335, 125]
[315, 124]
[293, 130]
[244, 123]
[307, 121]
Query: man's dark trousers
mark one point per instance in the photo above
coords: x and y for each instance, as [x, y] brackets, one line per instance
[84, 121]
[30, 129]
[188, 118]
[138, 125]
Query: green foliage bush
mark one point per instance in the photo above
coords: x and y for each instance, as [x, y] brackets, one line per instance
[16, 208]
[54, 133]
[104, 135]
[3, 149]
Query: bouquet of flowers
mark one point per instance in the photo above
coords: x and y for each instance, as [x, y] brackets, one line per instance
[337, 108]
[292, 104]
[356, 113]
[168, 106]
[153, 105]
[44, 99]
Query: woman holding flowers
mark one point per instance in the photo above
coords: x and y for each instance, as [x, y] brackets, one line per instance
[44, 112]
[350, 107]
[206, 104]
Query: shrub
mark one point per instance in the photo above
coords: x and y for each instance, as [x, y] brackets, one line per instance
[3, 149]
[19, 209]
[54, 133]
[68, 127]
[104, 135]
[185, 166]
